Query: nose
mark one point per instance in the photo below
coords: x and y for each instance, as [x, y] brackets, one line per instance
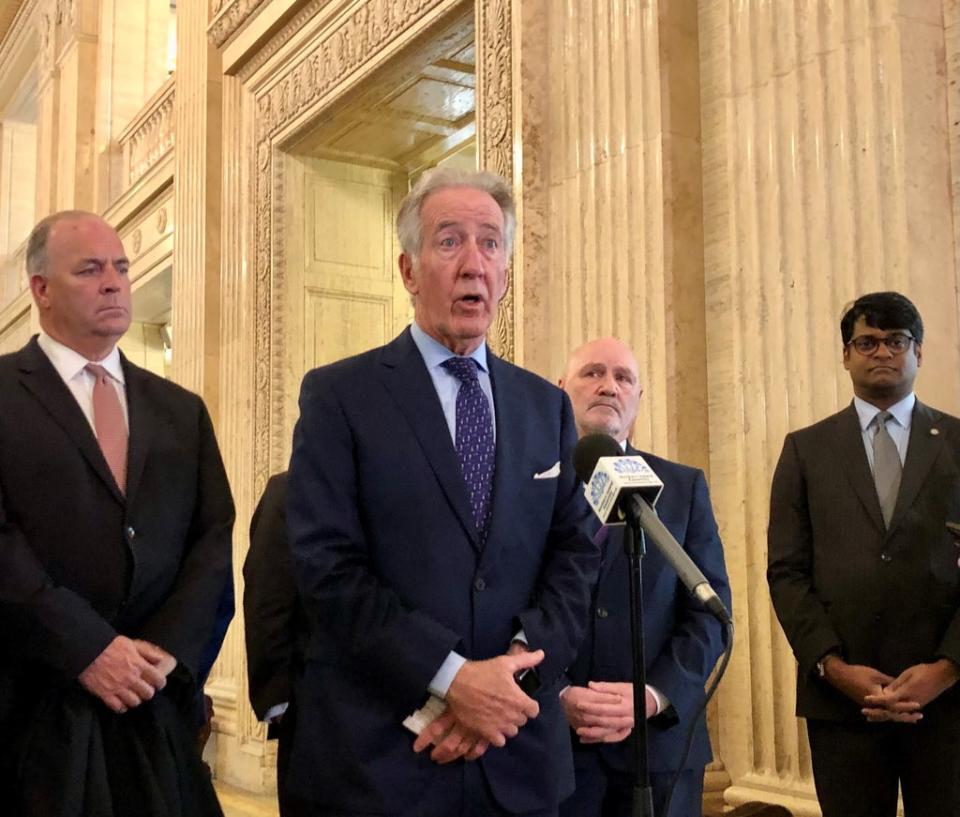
[110, 280]
[882, 349]
[609, 385]
[471, 263]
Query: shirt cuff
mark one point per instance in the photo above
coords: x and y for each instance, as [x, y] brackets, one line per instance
[274, 713]
[662, 700]
[444, 677]
[521, 636]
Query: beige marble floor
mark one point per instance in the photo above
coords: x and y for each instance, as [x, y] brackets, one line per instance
[238, 803]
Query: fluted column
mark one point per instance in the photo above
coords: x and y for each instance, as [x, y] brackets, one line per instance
[612, 242]
[826, 175]
[66, 95]
[244, 757]
[197, 174]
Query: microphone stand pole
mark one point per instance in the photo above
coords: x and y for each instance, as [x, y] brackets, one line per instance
[635, 546]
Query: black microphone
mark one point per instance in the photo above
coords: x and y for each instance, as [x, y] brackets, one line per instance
[617, 483]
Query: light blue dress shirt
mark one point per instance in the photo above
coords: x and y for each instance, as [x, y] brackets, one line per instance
[898, 427]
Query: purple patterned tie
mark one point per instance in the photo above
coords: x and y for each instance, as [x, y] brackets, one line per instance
[474, 438]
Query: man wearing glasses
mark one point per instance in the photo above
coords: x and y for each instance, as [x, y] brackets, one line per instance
[863, 575]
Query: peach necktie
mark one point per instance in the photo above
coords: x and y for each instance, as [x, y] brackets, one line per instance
[110, 425]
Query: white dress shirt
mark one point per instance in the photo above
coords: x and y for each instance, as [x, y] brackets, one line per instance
[70, 365]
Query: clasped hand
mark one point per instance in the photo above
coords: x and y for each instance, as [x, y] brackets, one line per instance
[127, 673]
[485, 707]
[885, 698]
[602, 712]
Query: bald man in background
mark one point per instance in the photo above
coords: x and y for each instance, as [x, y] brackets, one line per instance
[682, 640]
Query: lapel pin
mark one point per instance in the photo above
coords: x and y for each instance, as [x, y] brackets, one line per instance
[934, 432]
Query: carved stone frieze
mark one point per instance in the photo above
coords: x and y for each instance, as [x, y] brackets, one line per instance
[231, 18]
[149, 136]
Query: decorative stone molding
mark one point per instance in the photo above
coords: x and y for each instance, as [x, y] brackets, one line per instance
[275, 43]
[345, 47]
[149, 137]
[231, 18]
[495, 130]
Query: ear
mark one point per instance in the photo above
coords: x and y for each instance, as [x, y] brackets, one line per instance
[405, 264]
[38, 287]
[918, 348]
[846, 358]
[560, 384]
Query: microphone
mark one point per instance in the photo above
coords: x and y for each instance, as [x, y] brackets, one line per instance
[618, 486]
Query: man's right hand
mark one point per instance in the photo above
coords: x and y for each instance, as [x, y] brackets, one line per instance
[121, 676]
[484, 697]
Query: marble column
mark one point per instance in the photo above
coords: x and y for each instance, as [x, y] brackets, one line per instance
[77, 69]
[827, 174]
[197, 177]
[612, 238]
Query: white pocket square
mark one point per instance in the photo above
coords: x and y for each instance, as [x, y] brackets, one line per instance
[550, 473]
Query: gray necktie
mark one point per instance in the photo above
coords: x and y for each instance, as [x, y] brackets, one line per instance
[886, 467]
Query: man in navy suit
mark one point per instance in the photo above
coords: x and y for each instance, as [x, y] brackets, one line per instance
[682, 640]
[439, 542]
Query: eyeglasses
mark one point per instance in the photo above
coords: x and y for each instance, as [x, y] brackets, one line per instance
[896, 344]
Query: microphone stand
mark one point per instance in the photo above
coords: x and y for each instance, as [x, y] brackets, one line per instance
[635, 545]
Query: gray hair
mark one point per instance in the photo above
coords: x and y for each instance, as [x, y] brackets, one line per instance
[409, 225]
[39, 235]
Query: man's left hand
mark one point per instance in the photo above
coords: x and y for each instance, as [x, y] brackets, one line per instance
[159, 657]
[450, 740]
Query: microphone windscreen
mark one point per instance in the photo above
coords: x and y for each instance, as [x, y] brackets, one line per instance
[589, 450]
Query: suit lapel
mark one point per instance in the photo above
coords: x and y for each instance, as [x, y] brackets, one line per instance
[847, 438]
[408, 382]
[142, 422]
[40, 378]
[511, 445]
[922, 452]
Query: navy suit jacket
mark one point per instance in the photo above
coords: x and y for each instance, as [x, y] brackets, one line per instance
[394, 576]
[682, 640]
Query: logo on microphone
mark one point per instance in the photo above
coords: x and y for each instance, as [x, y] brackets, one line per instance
[598, 485]
[628, 466]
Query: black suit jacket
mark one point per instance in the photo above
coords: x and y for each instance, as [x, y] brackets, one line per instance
[682, 639]
[274, 621]
[79, 561]
[839, 579]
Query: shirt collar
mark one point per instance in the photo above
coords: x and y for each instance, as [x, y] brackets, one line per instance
[434, 353]
[902, 412]
[70, 363]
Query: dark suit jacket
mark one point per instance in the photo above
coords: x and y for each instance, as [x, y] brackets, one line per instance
[394, 576]
[682, 641]
[274, 621]
[839, 579]
[80, 562]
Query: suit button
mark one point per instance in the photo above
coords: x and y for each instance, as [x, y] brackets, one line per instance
[602, 612]
[886, 557]
[480, 585]
[130, 532]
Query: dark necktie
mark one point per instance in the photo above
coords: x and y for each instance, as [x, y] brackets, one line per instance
[887, 469]
[474, 438]
[109, 424]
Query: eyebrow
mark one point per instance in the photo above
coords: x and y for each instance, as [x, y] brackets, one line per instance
[486, 225]
[120, 259]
